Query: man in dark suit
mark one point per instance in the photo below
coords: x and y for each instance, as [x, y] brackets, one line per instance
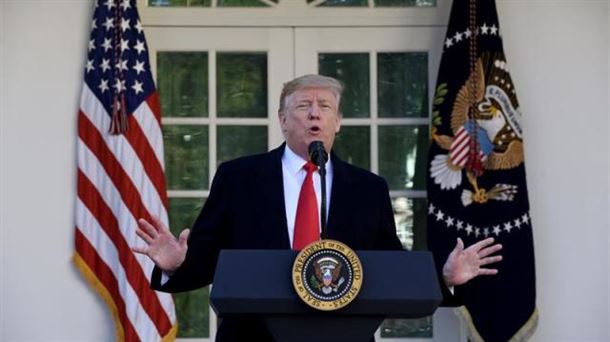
[253, 204]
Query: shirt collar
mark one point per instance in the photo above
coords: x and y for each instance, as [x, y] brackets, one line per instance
[294, 163]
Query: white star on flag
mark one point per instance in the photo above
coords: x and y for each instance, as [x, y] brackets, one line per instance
[137, 87]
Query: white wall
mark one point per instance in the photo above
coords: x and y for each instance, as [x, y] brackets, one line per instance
[559, 55]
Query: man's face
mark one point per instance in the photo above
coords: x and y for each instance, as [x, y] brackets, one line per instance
[311, 114]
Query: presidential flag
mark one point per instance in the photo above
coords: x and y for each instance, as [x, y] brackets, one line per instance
[476, 174]
[120, 174]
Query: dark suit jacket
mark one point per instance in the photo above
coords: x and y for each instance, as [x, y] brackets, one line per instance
[245, 210]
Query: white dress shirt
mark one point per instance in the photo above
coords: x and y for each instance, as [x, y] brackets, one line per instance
[294, 176]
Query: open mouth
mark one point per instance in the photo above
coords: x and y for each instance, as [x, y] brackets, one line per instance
[315, 129]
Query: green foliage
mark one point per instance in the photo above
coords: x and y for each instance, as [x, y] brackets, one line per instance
[186, 157]
[439, 98]
[419, 327]
[402, 86]
[242, 84]
[183, 83]
[313, 282]
[237, 141]
[193, 313]
[352, 69]
[353, 144]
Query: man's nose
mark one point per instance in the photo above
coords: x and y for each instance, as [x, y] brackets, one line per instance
[314, 111]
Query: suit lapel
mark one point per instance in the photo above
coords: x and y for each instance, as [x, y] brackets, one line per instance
[269, 179]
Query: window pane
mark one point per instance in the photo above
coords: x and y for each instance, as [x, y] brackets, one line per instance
[186, 157]
[237, 141]
[342, 2]
[241, 3]
[183, 212]
[193, 311]
[183, 3]
[405, 3]
[419, 327]
[352, 69]
[353, 145]
[242, 85]
[402, 156]
[192, 307]
[402, 84]
[183, 83]
[410, 218]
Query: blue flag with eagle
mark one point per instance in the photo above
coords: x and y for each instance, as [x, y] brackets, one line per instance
[476, 174]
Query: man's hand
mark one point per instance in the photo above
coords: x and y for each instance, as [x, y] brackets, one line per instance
[163, 248]
[465, 264]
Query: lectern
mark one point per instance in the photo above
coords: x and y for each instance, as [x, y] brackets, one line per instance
[396, 284]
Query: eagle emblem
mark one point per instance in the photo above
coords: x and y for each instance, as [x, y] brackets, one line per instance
[486, 133]
[327, 273]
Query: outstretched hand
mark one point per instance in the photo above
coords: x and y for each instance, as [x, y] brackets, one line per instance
[162, 248]
[464, 264]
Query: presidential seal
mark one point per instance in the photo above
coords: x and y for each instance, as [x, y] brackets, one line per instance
[327, 275]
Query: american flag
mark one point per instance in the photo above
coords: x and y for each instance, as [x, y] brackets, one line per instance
[120, 175]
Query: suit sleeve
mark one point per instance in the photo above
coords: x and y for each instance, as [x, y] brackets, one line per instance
[210, 234]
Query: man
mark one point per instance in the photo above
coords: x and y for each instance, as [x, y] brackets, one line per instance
[253, 204]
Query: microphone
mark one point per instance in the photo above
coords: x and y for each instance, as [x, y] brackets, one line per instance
[317, 153]
[318, 156]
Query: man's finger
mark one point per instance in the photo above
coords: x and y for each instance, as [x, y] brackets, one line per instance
[482, 244]
[491, 260]
[459, 245]
[148, 228]
[489, 250]
[487, 271]
[140, 250]
[144, 236]
[184, 236]
[159, 225]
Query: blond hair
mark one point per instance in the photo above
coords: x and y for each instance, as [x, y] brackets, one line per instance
[310, 81]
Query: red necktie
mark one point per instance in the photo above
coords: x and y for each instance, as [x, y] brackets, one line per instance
[307, 222]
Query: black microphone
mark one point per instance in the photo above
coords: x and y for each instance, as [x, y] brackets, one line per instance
[317, 153]
[318, 156]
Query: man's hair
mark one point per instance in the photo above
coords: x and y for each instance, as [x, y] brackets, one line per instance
[310, 81]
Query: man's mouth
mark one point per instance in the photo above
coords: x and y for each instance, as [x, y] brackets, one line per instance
[314, 129]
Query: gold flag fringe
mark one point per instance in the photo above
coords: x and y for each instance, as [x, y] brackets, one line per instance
[525, 332]
[90, 276]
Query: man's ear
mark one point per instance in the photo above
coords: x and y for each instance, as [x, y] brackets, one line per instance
[282, 117]
[338, 128]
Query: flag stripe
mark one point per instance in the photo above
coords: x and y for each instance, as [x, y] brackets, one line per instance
[103, 273]
[108, 253]
[96, 174]
[149, 301]
[146, 153]
[142, 148]
[123, 151]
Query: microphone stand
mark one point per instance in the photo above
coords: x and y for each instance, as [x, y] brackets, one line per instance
[322, 171]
